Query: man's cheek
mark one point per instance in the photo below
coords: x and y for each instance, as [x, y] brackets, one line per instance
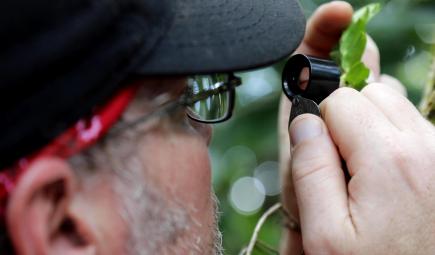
[178, 164]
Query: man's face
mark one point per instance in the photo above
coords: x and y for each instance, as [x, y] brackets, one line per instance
[151, 193]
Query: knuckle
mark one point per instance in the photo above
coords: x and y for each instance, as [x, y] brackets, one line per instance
[338, 97]
[344, 92]
[376, 87]
[372, 88]
[399, 155]
[394, 83]
[404, 162]
[340, 94]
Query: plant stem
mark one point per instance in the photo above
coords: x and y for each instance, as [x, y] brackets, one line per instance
[267, 248]
[427, 106]
[270, 211]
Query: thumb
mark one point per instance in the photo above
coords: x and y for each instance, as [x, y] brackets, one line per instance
[319, 183]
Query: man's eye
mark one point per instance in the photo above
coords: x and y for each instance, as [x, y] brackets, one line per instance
[214, 107]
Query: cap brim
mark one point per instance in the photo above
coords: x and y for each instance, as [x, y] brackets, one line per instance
[226, 35]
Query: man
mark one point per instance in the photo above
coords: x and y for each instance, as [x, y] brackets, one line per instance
[143, 188]
[103, 146]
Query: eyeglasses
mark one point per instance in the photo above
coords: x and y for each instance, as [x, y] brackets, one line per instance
[210, 98]
[207, 99]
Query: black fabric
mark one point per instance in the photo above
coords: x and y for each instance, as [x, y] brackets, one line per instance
[51, 77]
[227, 35]
[61, 58]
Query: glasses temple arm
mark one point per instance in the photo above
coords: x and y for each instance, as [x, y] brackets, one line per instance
[189, 99]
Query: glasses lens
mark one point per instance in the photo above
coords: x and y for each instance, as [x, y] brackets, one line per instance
[214, 107]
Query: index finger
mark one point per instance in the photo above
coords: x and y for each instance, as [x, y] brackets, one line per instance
[325, 27]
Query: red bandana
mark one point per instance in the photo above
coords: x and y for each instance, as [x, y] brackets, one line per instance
[80, 136]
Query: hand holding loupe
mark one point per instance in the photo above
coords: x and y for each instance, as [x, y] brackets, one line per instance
[306, 81]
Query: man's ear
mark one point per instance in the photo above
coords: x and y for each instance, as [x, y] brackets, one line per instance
[38, 216]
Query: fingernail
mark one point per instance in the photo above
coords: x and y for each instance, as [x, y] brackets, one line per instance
[305, 129]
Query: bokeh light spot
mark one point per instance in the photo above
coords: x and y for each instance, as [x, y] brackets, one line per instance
[268, 174]
[247, 195]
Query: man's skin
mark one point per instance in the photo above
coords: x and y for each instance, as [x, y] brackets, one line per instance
[387, 207]
[323, 31]
[147, 190]
[166, 181]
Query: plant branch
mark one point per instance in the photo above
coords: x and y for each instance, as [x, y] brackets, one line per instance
[427, 106]
[266, 247]
[248, 250]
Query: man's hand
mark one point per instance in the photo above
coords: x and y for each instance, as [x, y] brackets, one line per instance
[388, 205]
[323, 32]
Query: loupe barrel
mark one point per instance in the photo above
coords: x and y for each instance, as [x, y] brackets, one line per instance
[323, 77]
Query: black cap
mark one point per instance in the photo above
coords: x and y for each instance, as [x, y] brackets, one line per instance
[59, 59]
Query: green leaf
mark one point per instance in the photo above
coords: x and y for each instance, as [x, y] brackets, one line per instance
[357, 76]
[367, 12]
[352, 45]
[335, 55]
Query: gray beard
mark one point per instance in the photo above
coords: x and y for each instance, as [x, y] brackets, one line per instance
[156, 225]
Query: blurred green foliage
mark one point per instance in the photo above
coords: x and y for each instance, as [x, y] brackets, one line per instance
[403, 30]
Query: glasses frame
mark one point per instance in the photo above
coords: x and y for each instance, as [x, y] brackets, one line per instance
[229, 86]
[166, 106]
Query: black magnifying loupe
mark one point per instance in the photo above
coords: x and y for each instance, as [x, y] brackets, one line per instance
[310, 77]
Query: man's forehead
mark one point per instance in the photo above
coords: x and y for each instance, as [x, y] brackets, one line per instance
[152, 87]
